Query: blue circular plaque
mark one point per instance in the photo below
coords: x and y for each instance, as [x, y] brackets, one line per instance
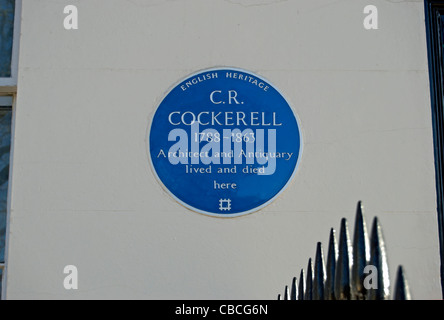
[224, 142]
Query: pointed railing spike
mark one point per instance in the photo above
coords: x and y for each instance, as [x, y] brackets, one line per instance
[402, 291]
[319, 274]
[301, 289]
[352, 271]
[378, 259]
[309, 281]
[329, 288]
[294, 289]
[287, 293]
[361, 254]
[342, 275]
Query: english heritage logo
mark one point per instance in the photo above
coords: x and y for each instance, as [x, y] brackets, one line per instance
[224, 142]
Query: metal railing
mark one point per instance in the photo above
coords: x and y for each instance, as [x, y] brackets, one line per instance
[352, 272]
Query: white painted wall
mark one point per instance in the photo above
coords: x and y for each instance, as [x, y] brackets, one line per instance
[82, 189]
